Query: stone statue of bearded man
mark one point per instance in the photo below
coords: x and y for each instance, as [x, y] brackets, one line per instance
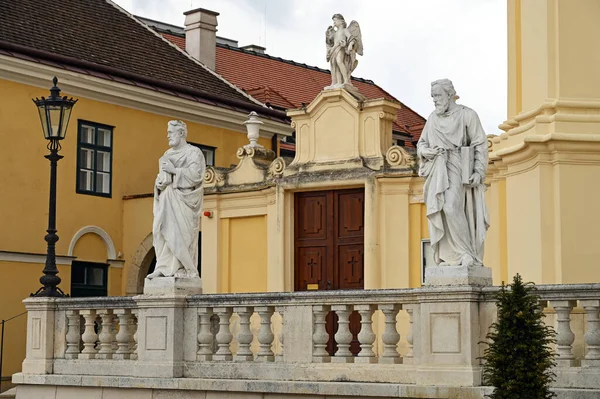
[453, 158]
[177, 206]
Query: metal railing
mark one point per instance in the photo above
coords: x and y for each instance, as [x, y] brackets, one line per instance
[3, 322]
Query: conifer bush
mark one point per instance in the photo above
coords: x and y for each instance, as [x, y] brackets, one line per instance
[519, 358]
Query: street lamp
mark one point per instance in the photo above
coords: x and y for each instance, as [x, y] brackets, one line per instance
[55, 112]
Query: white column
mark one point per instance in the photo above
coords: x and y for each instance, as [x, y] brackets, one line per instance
[390, 336]
[124, 334]
[89, 336]
[564, 335]
[106, 336]
[205, 336]
[224, 335]
[133, 324]
[245, 336]
[265, 335]
[409, 358]
[73, 334]
[366, 336]
[592, 335]
[320, 336]
[343, 337]
[281, 311]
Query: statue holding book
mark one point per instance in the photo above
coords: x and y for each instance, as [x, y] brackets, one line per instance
[453, 158]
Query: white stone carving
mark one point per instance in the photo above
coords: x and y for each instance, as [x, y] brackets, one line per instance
[253, 128]
[224, 336]
[344, 42]
[592, 335]
[106, 336]
[564, 334]
[73, 335]
[343, 336]
[124, 335]
[265, 335]
[177, 207]
[320, 336]
[366, 336]
[453, 158]
[89, 336]
[397, 156]
[245, 336]
[277, 167]
[205, 337]
[390, 337]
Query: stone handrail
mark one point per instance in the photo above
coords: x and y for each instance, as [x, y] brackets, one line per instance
[423, 336]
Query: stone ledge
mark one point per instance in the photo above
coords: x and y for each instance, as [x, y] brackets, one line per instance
[182, 386]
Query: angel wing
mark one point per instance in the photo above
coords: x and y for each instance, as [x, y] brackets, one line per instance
[354, 30]
[329, 34]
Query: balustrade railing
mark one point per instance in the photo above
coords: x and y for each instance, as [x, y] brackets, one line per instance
[403, 334]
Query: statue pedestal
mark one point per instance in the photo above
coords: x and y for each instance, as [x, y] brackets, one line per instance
[458, 275]
[173, 286]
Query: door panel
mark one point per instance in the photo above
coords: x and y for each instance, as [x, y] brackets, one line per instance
[329, 248]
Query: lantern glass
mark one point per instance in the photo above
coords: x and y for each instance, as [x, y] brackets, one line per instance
[54, 116]
[42, 111]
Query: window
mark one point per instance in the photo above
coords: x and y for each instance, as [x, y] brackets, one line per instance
[89, 279]
[426, 257]
[209, 153]
[94, 159]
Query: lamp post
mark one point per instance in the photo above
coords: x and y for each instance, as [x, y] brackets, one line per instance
[55, 112]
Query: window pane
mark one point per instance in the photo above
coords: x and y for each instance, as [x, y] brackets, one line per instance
[87, 134]
[77, 275]
[103, 182]
[85, 179]
[95, 276]
[209, 156]
[103, 164]
[86, 158]
[104, 137]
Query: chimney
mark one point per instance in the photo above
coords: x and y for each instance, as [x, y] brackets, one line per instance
[255, 48]
[201, 35]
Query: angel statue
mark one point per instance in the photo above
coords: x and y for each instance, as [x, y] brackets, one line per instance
[343, 43]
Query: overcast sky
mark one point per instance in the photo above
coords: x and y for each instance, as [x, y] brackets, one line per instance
[407, 43]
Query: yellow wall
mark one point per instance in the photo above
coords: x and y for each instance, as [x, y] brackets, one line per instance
[244, 254]
[19, 280]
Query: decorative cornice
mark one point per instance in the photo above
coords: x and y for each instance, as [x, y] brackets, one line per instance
[129, 96]
[28, 257]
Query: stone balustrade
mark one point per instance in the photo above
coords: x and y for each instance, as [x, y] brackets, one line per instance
[403, 338]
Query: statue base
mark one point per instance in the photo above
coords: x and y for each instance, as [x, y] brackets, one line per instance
[458, 275]
[173, 286]
[349, 88]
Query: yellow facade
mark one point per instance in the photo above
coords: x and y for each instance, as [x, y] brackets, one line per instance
[544, 166]
[91, 228]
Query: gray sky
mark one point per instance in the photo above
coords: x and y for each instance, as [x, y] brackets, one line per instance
[407, 43]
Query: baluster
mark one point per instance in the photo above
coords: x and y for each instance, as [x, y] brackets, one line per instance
[366, 336]
[106, 336]
[133, 326]
[224, 335]
[279, 356]
[320, 336]
[343, 337]
[123, 337]
[265, 335]
[205, 336]
[73, 336]
[245, 336]
[592, 335]
[409, 357]
[564, 335]
[89, 336]
[390, 336]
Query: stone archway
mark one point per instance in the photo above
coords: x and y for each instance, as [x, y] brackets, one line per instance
[140, 264]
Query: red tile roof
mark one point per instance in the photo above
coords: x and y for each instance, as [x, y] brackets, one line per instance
[73, 35]
[288, 84]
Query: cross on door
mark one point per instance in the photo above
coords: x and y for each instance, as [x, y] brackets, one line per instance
[353, 262]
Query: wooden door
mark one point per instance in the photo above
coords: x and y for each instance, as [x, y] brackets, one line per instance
[329, 247]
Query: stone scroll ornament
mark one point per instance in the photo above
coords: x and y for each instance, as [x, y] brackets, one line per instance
[453, 155]
[178, 194]
[344, 42]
